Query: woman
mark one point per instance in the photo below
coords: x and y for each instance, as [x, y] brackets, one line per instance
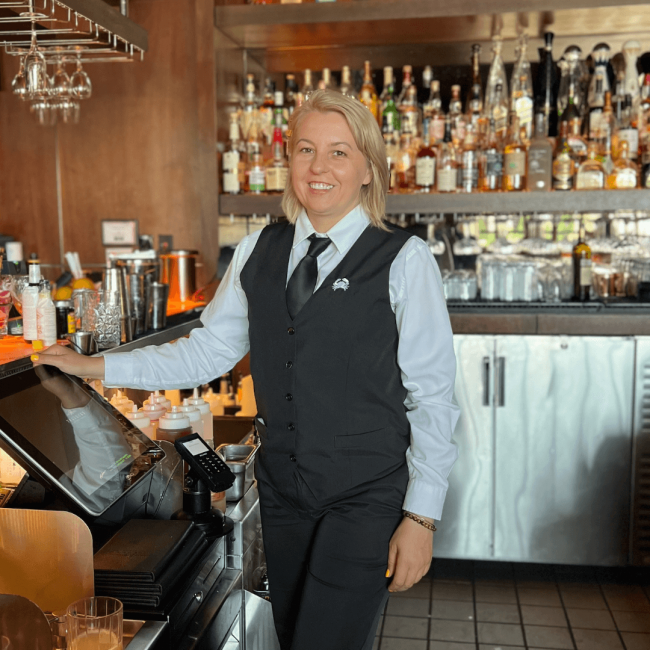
[353, 367]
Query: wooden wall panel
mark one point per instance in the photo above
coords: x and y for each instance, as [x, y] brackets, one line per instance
[145, 146]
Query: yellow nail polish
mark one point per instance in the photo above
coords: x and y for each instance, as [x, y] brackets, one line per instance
[34, 357]
[387, 570]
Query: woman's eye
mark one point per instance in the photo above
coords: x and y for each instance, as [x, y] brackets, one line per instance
[305, 150]
[339, 154]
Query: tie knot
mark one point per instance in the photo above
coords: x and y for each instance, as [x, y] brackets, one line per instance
[317, 245]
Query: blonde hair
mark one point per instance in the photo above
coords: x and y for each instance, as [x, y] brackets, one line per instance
[368, 139]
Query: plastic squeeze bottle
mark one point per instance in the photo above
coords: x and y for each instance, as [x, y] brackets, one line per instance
[154, 412]
[216, 407]
[206, 415]
[174, 424]
[196, 421]
[46, 316]
[140, 419]
[30, 302]
[157, 398]
[121, 402]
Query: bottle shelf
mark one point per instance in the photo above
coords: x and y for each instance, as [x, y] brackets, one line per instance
[489, 203]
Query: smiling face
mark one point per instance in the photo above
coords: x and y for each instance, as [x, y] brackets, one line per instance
[327, 168]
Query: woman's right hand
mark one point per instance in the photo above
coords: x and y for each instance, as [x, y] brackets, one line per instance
[70, 362]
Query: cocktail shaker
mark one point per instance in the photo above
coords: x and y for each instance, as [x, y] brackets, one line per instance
[114, 280]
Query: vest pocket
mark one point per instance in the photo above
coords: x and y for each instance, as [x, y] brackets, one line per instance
[360, 440]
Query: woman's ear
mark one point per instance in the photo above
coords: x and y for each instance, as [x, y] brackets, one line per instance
[368, 177]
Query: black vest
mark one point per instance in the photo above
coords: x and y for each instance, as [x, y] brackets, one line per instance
[327, 384]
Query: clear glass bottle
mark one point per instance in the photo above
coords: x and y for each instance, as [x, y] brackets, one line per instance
[522, 89]
[627, 131]
[425, 164]
[231, 159]
[427, 78]
[307, 86]
[499, 111]
[251, 104]
[540, 158]
[368, 95]
[496, 77]
[514, 158]
[546, 98]
[347, 87]
[598, 86]
[447, 164]
[410, 119]
[475, 95]
[625, 175]
[469, 161]
[326, 82]
[564, 164]
[405, 164]
[573, 76]
[407, 80]
[591, 174]
[456, 115]
[491, 161]
[255, 172]
[432, 111]
[581, 257]
[277, 168]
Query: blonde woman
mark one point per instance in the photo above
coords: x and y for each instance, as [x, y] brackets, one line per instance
[353, 366]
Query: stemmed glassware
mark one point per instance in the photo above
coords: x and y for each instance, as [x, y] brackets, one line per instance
[19, 83]
[81, 86]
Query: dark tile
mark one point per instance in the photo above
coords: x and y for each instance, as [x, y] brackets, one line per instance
[537, 584]
[488, 594]
[450, 591]
[583, 599]
[543, 597]
[402, 644]
[405, 627]
[450, 645]
[535, 615]
[497, 613]
[453, 610]
[408, 607]
[539, 636]
[591, 619]
[419, 590]
[500, 633]
[632, 602]
[597, 640]
[632, 621]
[491, 646]
[458, 631]
[635, 641]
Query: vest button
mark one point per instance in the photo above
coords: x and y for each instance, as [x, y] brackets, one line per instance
[289, 364]
[292, 458]
[291, 426]
[291, 331]
[288, 397]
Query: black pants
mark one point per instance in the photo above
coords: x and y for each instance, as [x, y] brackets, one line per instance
[327, 561]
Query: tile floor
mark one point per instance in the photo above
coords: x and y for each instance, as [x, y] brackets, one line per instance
[465, 605]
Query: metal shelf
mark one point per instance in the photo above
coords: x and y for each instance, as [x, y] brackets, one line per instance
[498, 202]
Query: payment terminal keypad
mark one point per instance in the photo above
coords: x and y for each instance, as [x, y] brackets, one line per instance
[207, 464]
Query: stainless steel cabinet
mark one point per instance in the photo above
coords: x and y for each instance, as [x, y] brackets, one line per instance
[545, 442]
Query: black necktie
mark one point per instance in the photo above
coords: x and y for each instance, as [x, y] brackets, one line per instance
[303, 279]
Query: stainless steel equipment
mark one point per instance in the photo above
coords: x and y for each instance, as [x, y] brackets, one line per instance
[239, 459]
[115, 280]
[157, 296]
[179, 272]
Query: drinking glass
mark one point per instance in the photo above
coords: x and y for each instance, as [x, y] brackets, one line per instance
[85, 301]
[107, 328]
[81, 86]
[37, 81]
[95, 624]
[19, 83]
[17, 286]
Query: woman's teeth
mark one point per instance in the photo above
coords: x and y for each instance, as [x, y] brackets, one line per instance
[320, 186]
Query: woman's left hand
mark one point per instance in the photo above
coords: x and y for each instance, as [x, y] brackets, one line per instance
[409, 555]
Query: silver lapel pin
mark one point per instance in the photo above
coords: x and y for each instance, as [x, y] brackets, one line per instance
[341, 283]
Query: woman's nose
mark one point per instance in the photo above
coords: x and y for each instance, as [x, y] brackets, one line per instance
[319, 163]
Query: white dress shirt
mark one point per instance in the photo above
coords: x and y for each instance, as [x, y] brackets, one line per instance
[425, 351]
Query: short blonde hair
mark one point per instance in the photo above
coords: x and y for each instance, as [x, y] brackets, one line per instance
[368, 139]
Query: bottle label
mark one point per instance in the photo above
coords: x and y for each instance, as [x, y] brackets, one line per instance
[515, 163]
[585, 272]
[631, 136]
[231, 182]
[524, 111]
[425, 171]
[276, 178]
[625, 179]
[458, 128]
[563, 172]
[469, 174]
[539, 160]
[234, 131]
[409, 122]
[447, 179]
[72, 325]
[230, 161]
[437, 128]
[590, 180]
[256, 180]
[493, 164]
[578, 145]
[596, 124]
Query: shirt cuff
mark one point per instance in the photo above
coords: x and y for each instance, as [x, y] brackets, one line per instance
[424, 499]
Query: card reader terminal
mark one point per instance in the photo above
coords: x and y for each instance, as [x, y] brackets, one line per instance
[207, 464]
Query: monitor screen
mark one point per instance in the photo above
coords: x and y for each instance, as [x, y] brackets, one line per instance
[63, 431]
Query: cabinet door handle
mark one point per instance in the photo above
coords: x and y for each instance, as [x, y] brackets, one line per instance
[501, 381]
[486, 381]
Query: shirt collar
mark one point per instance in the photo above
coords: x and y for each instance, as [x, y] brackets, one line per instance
[343, 234]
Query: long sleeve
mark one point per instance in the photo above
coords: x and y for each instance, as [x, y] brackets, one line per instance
[426, 358]
[208, 352]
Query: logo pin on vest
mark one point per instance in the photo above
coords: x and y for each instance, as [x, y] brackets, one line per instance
[341, 283]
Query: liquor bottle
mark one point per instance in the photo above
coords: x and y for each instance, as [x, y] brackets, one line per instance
[307, 87]
[475, 95]
[326, 82]
[410, 119]
[576, 141]
[496, 77]
[546, 99]
[405, 164]
[581, 256]
[456, 115]
[591, 174]
[514, 158]
[232, 158]
[390, 117]
[266, 111]
[347, 87]
[469, 161]
[598, 86]
[277, 169]
[427, 78]
[407, 80]
[607, 130]
[540, 158]
[522, 89]
[290, 92]
[491, 161]
[564, 165]
[249, 114]
[499, 111]
[368, 95]
[447, 164]
[625, 175]
[29, 301]
[645, 163]
[255, 173]
[573, 76]
[644, 111]
[391, 140]
[631, 52]
[425, 164]
[433, 113]
[627, 130]
[388, 90]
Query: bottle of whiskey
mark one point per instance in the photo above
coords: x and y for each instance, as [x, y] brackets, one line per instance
[625, 175]
[277, 169]
[475, 95]
[456, 115]
[425, 164]
[368, 95]
[540, 158]
[564, 164]
[407, 81]
[514, 158]
[433, 113]
[410, 120]
[581, 257]
[447, 164]
[591, 174]
[405, 164]
[491, 161]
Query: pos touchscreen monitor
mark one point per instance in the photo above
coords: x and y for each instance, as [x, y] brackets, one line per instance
[69, 438]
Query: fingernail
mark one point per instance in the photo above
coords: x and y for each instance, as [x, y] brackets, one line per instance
[387, 570]
[34, 357]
